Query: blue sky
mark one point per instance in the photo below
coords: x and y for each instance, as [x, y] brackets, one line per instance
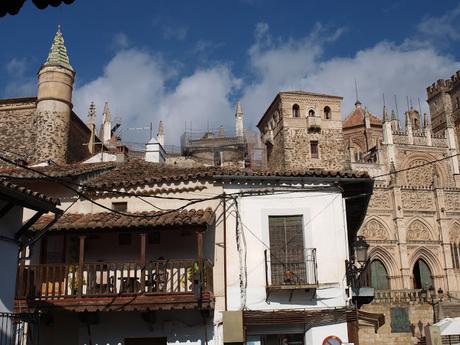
[189, 61]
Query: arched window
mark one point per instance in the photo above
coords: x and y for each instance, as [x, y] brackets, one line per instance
[295, 110]
[327, 113]
[311, 112]
[379, 276]
[422, 275]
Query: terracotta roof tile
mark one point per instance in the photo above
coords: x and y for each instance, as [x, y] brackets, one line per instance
[356, 118]
[69, 170]
[11, 186]
[110, 220]
[140, 172]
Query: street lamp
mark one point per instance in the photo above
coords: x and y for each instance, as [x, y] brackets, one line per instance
[361, 248]
[360, 256]
[433, 300]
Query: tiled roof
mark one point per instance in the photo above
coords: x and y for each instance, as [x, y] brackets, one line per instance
[357, 118]
[69, 170]
[40, 196]
[58, 52]
[110, 220]
[140, 172]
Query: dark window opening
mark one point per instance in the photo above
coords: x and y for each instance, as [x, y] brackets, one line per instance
[327, 113]
[295, 110]
[455, 252]
[422, 275]
[217, 159]
[311, 112]
[379, 276]
[120, 206]
[154, 237]
[287, 259]
[314, 149]
[269, 152]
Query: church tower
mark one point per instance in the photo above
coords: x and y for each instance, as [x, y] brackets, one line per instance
[303, 130]
[54, 104]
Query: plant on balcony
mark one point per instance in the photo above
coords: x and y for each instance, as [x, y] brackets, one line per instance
[188, 277]
[74, 279]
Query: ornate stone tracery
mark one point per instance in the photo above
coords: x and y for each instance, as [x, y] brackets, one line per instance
[421, 176]
[374, 230]
[418, 231]
[454, 233]
[417, 200]
[380, 199]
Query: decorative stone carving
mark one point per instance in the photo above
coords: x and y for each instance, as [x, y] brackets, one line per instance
[374, 230]
[452, 201]
[421, 176]
[418, 231]
[417, 200]
[454, 233]
[380, 199]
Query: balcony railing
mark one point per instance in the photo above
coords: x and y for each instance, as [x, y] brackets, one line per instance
[405, 296]
[296, 270]
[161, 277]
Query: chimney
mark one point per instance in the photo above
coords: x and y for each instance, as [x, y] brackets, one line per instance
[154, 152]
[122, 153]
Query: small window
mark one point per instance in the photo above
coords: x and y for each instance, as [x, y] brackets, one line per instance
[124, 239]
[295, 110]
[314, 149]
[311, 112]
[217, 159]
[327, 113]
[120, 206]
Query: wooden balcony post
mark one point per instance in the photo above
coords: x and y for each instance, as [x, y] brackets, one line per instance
[81, 260]
[199, 243]
[143, 259]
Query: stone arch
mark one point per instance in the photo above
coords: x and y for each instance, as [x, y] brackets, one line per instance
[422, 176]
[311, 112]
[383, 255]
[375, 228]
[295, 110]
[418, 229]
[454, 232]
[430, 259]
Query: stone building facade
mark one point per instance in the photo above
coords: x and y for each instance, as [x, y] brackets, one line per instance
[303, 130]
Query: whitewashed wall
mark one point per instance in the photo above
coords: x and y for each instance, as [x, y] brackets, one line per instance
[9, 224]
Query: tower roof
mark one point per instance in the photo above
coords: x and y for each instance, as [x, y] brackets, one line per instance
[356, 118]
[58, 52]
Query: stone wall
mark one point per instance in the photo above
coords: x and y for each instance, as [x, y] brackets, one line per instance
[79, 136]
[331, 149]
[419, 315]
[17, 134]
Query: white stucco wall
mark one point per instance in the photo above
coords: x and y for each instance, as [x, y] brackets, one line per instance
[324, 229]
[9, 224]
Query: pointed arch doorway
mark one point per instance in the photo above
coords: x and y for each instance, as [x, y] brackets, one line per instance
[421, 275]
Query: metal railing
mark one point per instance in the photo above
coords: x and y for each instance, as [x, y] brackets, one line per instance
[298, 268]
[405, 296]
[160, 277]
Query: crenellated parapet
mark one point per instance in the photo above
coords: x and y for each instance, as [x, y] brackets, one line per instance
[439, 86]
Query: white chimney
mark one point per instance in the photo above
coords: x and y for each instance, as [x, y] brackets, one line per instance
[154, 152]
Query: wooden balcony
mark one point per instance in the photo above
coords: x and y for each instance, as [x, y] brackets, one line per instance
[159, 284]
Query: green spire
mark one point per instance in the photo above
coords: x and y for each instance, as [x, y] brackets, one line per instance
[58, 52]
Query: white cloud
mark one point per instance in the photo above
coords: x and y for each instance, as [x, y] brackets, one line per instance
[19, 83]
[120, 41]
[134, 82]
[141, 88]
[402, 70]
[442, 28]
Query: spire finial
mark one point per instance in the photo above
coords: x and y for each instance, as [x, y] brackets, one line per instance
[386, 117]
[106, 115]
[238, 108]
[161, 128]
[58, 52]
[357, 103]
[92, 114]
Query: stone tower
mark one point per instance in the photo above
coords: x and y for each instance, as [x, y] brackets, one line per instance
[303, 130]
[106, 124]
[54, 104]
